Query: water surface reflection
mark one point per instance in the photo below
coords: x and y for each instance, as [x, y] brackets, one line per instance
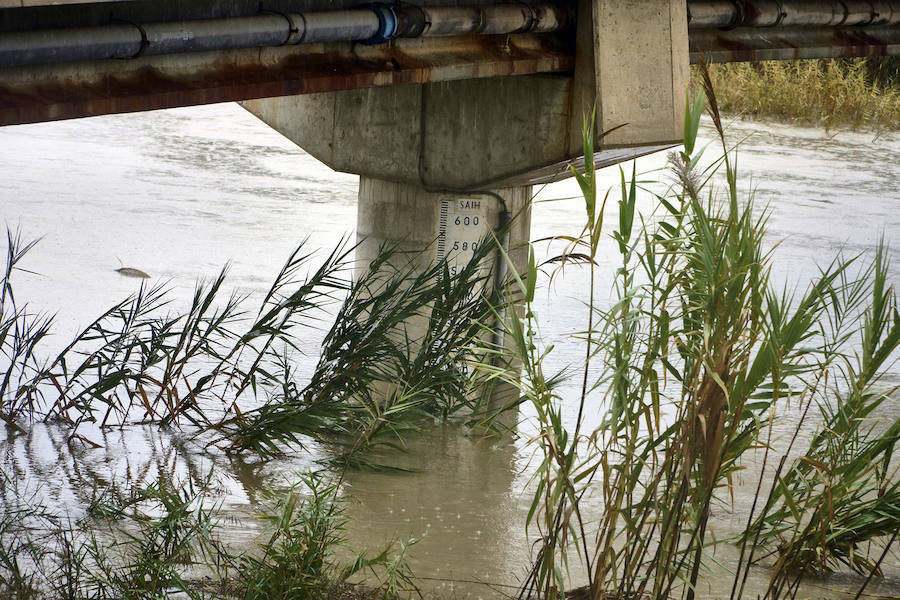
[180, 193]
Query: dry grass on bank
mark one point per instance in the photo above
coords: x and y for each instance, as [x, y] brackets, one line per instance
[831, 93]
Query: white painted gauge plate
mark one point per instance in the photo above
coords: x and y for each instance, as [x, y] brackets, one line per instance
[463, 225]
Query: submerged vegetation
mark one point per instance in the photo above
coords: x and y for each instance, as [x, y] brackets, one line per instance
[857, 93]
[227, 377]
[231, 373]
[690, 365]
[162, 541]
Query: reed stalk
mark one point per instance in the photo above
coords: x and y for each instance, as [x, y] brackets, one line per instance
[696, 331]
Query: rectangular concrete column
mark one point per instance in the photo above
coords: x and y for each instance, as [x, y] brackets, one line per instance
[632, 68]
[411, 218]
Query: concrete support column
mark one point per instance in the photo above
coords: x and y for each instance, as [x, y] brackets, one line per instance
[411, 217]
[501, 133]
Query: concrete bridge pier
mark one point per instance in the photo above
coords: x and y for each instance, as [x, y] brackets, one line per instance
[415, 219]
[435, 225]
[426, 151]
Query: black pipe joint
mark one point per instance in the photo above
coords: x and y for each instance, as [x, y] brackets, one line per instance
[411, 20]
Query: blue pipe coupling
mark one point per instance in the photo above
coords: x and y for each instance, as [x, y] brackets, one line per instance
[387, 23]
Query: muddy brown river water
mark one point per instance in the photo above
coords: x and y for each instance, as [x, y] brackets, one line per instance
[177, 194]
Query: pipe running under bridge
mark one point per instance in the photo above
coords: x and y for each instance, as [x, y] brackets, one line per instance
[372, 24]
[378, 23]
[756, 30]
[729, 14]
[67, 58]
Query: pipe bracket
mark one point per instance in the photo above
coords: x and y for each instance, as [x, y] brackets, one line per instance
[531, 17]
[411, 19]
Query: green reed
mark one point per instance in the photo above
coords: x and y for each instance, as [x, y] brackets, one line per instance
[397, 356]
[843, 492]
[161, 541]
[376, 378]
[396, 353]
[696, 330]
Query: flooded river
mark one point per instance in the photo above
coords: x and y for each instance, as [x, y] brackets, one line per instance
[178, 194]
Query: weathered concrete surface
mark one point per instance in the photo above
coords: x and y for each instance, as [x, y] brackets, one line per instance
[792, 43]
[409, 217]
[467, 134]
[459, 135]
[636, 63]
[631, 62]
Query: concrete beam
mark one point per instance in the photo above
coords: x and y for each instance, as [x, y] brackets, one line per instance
[632, 68]
[630, 61]
[791, 43]
[451, 135]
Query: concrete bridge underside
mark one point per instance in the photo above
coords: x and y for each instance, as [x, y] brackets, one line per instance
[459, 43]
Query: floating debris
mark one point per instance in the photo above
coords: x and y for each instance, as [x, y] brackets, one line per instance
[129, 272]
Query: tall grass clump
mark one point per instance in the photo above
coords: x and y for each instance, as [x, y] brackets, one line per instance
[857, 93]
[688, 365]
[843, 492]
[161, 541]
[139, 545]
[20, 334]
[377, 376]
[299, 561]
[397, 353]
[18, 552]
[140, 361]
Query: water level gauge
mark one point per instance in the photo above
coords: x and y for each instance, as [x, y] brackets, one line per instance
[463, 225]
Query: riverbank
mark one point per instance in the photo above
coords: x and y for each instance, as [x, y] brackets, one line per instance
[854, 93]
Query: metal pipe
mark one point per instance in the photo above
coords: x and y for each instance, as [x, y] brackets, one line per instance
[791, 43]
[343, 25]
[200, 36]
[712, 14]
[491, 19]
[728, 14]
[372, 24]
[55, 45]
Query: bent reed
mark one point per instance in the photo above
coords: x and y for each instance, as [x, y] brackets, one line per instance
[225, 374]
